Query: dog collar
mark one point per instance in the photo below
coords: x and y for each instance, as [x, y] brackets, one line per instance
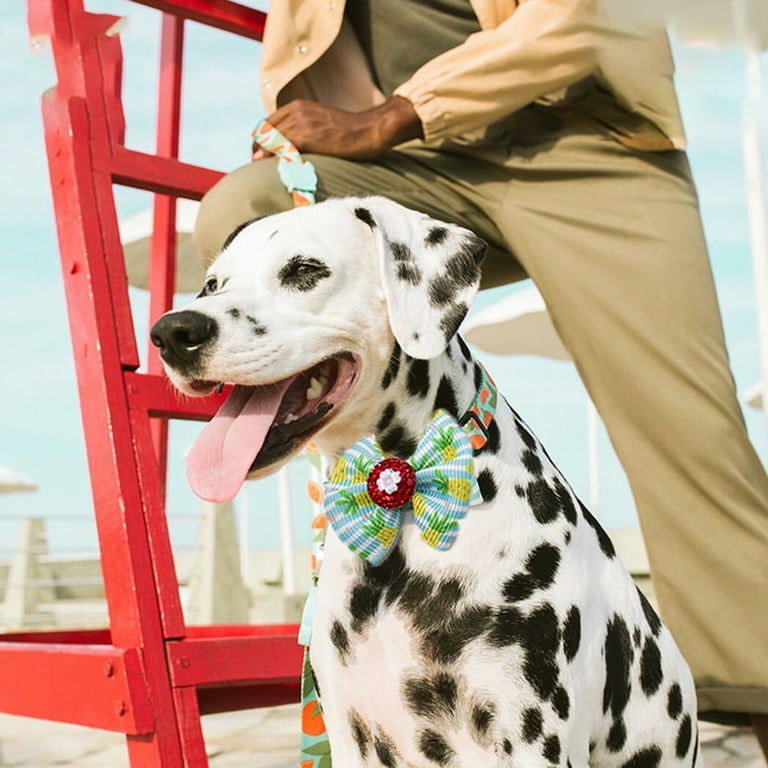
[478, 417]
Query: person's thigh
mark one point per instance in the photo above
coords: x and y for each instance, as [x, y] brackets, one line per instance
[614, 241]
[448, 186]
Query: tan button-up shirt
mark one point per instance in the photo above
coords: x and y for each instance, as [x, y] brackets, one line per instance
[527, 51]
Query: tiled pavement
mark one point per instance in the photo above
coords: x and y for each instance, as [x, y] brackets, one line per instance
[264, 738]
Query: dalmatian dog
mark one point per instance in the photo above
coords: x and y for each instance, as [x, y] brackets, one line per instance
[525, 642]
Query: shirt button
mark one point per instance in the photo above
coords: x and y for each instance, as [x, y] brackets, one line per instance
[267, 83]
[302, 48]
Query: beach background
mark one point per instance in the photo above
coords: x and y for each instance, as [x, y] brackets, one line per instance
[40, 428]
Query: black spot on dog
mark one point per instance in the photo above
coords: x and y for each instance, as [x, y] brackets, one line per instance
[532, 724]
[434, 747]
[551, 749]
[257, 328]
[451, 319]
[436, 236]
[539, 635]
[365, 216]
[409, 273]
[606, 545]
[418, 377]
[541, 640]
[431, 697]
[519, 587]
[566, 502]
[532, 462]
[684, 737]
[463, 267]
[233, 312]
[493, 441]
[482, 718]
[507, 627]
[398, 442]
[572, 633]
[464, 349]
[385, 751]
[525, 435]
[446, 397]
[617, 736]
[674, 701]
[340, 639]
[637, 637]
[406, 268]
[360, 733]
[303, 273]
[392, 368]
[618, 655]
[520, 491]
[416, 594]
[441, 291]
[542, 564]
[445, 643]
[237, 230]
[651, 675]
[562, 703]
[386, 418]
[654, 622]
[543, 500]
[506, 745]
[363, 604]
[487, 485]
[644, 758]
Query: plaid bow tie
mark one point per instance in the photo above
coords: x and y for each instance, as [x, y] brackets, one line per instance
[367, 493]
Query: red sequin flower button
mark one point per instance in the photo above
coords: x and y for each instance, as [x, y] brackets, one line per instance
[391, 483]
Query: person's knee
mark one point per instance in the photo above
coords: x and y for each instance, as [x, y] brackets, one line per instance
[247, 193]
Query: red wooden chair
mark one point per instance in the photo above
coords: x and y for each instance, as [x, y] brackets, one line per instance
[148, 676]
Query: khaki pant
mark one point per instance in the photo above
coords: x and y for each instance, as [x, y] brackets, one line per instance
[613, 240]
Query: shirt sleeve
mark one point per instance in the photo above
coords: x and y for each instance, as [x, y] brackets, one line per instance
[542, 46]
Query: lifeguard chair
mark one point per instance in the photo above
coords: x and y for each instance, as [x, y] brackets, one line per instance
[148, 675]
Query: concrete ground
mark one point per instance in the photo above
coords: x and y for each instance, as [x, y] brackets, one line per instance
[266, 738]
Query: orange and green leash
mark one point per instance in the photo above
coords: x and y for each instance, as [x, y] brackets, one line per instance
[300, 179]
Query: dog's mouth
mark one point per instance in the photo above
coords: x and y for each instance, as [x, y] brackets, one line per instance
[259, 425]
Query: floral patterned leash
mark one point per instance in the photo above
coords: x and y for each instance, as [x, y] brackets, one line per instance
[299, 178]
[297, 174]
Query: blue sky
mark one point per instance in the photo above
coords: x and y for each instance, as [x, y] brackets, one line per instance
[40, 431]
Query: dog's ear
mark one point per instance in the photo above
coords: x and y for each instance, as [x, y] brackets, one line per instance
[430, 272]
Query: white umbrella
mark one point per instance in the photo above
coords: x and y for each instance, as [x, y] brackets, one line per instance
[520, 325]
[11, 480]
[719, 23]
[136, 235]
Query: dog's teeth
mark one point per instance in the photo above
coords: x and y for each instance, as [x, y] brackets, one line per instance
[291, 417]
[316, 387]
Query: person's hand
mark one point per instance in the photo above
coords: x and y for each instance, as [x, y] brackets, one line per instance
[323, 130]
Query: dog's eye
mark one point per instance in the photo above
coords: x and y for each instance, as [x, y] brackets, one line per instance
[211, 286]
[303, 273]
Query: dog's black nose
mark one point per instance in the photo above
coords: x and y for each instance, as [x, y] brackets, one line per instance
[181, 336]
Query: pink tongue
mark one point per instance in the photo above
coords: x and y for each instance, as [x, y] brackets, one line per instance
[223, 453]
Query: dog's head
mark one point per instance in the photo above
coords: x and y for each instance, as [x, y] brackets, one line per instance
[300, 312]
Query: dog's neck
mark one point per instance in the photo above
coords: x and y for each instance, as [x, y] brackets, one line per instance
[412, 390]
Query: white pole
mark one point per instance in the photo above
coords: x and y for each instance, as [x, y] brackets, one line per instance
[243, 508]
[286, 532]
[594, 457]
[748, 33]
